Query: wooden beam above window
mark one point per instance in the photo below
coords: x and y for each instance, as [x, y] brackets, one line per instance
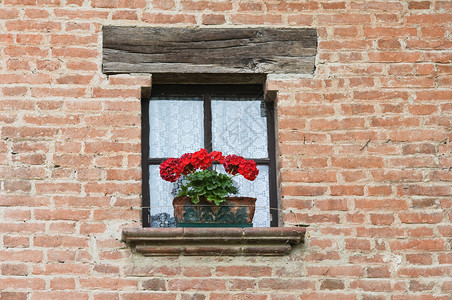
[209, 50]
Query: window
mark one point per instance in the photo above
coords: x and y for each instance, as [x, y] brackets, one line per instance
[233, 119]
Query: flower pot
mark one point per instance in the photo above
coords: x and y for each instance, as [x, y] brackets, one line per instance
[234, 212]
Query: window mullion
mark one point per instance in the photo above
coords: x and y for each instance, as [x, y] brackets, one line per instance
[207, 121]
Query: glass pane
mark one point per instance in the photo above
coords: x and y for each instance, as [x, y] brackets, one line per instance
[256, 189]
[239, 127]
[176, 126]
[162, 194]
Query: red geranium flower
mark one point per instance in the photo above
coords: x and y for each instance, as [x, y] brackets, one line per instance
[231, 163]
[185, 164]
[170, 169]
[201, 159]
[217, 156]
[248, 169]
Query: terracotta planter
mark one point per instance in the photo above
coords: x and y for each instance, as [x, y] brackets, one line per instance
[234, 212]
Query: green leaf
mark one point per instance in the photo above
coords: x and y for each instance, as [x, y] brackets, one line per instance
[210, 184]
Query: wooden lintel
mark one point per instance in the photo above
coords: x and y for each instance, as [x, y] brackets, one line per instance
[209, 50]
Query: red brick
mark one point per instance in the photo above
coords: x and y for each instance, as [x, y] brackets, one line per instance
[322, 243]
[15, 91]
[80, 14]
[159, 18]
[381, 204]
[333, 5]
[389, 43]
[371, 285]
[285, 284]
[17, 186]
[428, 18]
[419, 286]
[117, 120]
[61, 214]
[349, 123]
[17, 214]
[148, 296]
[419, 5]
[287, 149]
[304, 176]
[247, 19]
[35, 13]
[391, 57]
[357, 244]
[212, 19]
[382, 219]
[108, 283]
[62, 268]
[331, 204]
[62, 284]
[57, 227]
[300, 219]
[424, 271]
[74, 52]
[63, 241]
[56, 295]
[378, 32]
[82, 66]
[14, 269]
[348, 190]
[382, 190]
[58, 187]
[335, 271]
[124, 15]
[420, 218]
[303, 190]
[419, 259]
[424, 190]
[13, 295]
[211, 284]
[154, 284]
[296, 204]
[15, 283]
[247, 271]
[341, 19]
[250, 6]
[300, 19]
[420, 245]
[116, 214]
[197, 271]
[328, 296]
[32, 25]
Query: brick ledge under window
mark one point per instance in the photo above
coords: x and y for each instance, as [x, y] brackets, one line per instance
[214, 241]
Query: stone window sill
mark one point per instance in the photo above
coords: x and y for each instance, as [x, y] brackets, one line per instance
[214, 241]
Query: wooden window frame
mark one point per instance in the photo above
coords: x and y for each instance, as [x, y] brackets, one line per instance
[207, 91]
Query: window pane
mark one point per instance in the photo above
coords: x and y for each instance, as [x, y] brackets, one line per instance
[162, 194]
[176, 126]
[256, 189]
[239, 127]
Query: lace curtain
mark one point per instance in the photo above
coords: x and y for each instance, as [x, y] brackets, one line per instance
[177, 126]
[239, 127]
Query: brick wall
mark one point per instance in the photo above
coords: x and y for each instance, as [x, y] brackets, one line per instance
[364, 145]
